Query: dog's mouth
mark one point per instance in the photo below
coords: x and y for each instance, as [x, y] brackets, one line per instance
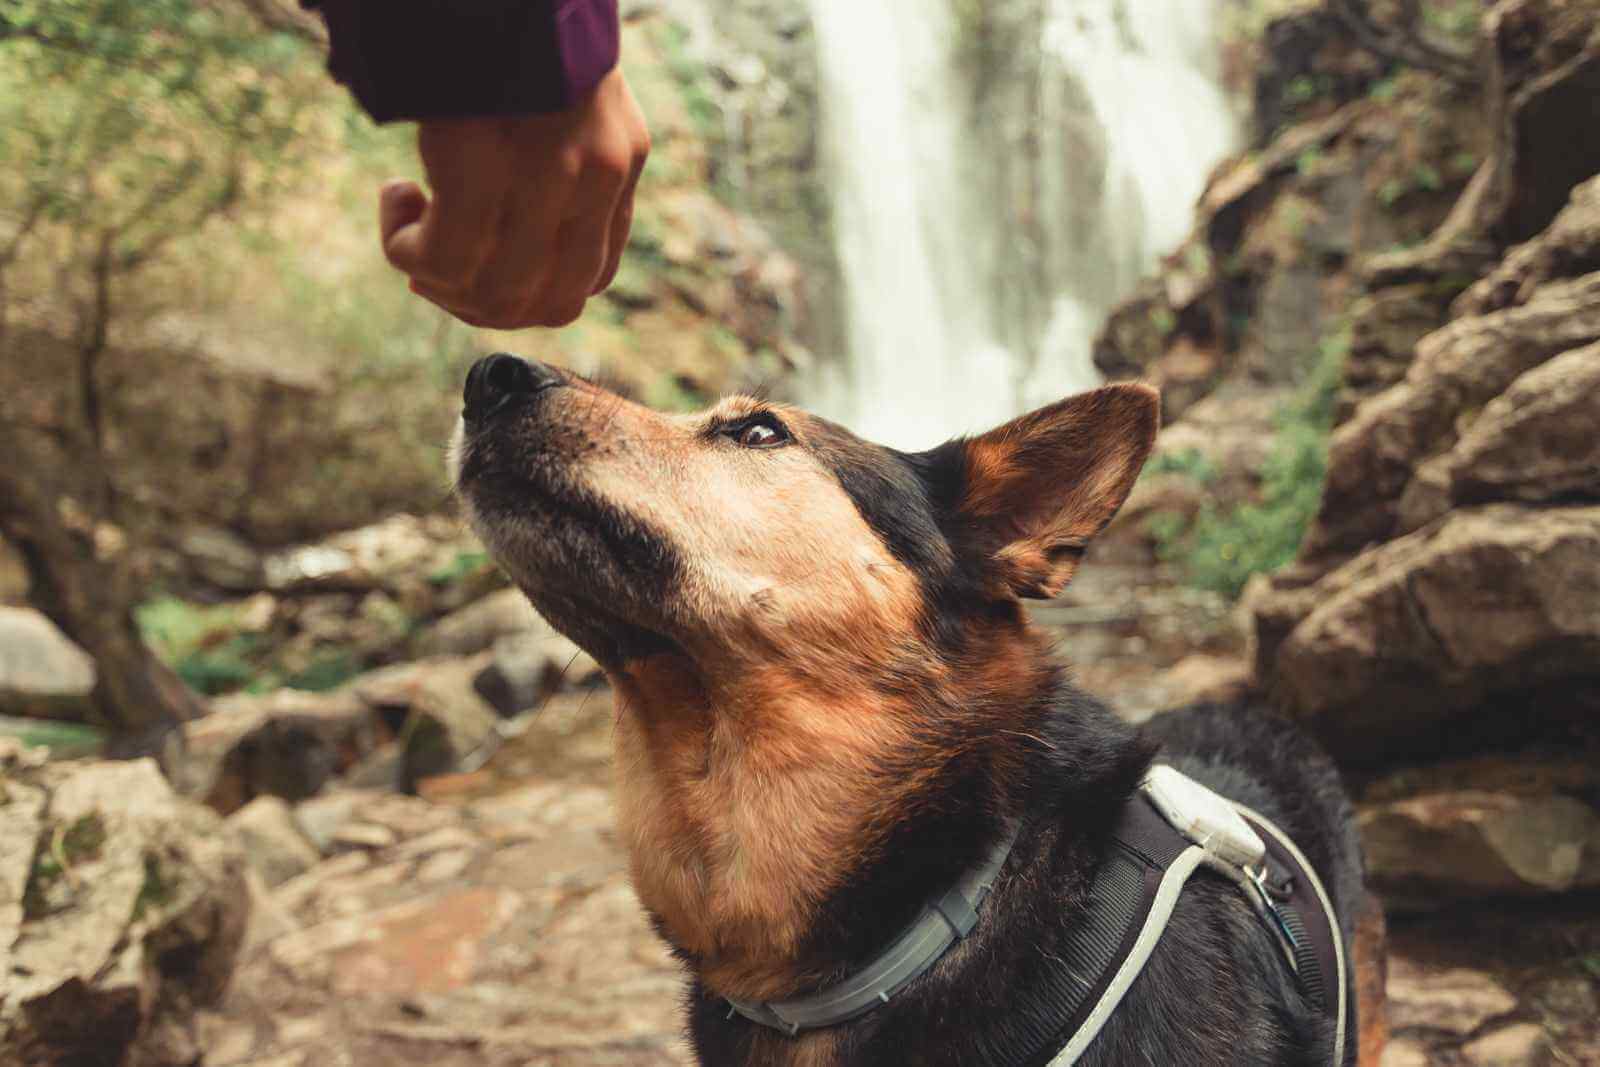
[595, 573]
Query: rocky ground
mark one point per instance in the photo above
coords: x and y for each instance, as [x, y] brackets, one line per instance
[486, 916]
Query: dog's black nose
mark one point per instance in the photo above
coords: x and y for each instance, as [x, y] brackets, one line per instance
[496, 380]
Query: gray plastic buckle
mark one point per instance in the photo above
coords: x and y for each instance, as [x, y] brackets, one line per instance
[958, 911]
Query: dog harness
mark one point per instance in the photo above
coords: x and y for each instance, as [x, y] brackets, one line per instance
[1170, 829]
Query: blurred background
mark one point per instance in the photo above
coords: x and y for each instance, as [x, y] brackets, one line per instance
[1355, 243]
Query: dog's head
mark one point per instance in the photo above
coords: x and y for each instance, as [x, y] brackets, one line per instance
[812, 634]
[754, 532]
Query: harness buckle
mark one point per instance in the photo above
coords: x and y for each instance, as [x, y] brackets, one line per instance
[1266, 903]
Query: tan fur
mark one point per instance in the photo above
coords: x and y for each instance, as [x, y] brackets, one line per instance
[1371, 974]
[741, 821]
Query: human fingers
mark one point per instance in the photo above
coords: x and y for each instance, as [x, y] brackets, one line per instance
[621, 224]
[469, 169]
[582, 248]
[400, 204]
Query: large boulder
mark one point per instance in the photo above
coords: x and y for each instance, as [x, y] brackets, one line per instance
[477, 626]
[1539, 441]
[42, 673]
[1374, 457]
[524, 670]
[442, 722]
[1434, 626]
[286, 744]
[1434, 850]
[122, 907]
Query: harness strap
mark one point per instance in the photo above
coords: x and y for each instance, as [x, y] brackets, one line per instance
[1319, 946]
[1151, 855]
[1313, 950]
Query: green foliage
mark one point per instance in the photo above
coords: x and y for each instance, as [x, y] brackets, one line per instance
[126, 125]
[1163, 319]
[464, 565]
[1458, 19]
[1309, 160]
[1190, 463]
[154, 891]
[1302, 89]
[55, 856]
[1384, 89]
[328, 671]
[201, 644]
[691, 75]
[65, 740]
[670, 392]
[1223, 547]
[1423, 178]
[1463, 163]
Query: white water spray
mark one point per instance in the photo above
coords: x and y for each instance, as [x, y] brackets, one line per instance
[951, 227]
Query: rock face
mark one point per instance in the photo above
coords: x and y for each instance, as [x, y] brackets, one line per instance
[1429, 241]
[1435, 626]
[1451, 565]
[1445, 603]
[1432, 850]
[122, 908]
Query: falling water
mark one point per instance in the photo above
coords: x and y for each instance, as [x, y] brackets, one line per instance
[1002, 174]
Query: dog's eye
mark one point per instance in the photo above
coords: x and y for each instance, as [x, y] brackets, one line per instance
[762, 431]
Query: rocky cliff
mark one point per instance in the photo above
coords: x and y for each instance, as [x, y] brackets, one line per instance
[1431, 243]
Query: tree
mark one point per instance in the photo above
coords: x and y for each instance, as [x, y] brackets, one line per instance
[126, 128]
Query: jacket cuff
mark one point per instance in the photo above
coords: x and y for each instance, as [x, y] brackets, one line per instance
[422, 59]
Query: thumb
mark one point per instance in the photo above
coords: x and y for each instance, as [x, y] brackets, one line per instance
[401, 205]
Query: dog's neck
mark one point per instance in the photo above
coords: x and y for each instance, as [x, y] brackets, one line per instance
[768, 811]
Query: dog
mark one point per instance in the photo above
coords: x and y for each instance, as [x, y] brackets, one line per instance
[831, 702]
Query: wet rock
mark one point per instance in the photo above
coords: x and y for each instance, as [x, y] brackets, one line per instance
[1432, 850]
[1517, 1045]
[42, 673]
[271, 841]
[133, 912]
[286, 744]
[525, 669]
[1456, 1001]
[477, 626]
[1487, 600]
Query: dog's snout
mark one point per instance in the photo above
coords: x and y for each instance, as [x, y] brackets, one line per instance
[496, 380]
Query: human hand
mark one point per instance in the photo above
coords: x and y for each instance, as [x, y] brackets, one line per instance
[529, 214]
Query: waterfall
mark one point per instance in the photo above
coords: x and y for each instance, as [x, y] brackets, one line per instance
[1002, 173]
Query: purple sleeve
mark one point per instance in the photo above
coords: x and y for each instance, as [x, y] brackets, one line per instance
[416, 59]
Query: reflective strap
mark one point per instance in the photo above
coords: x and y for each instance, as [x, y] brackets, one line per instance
[1332, 919]
[1160, 912]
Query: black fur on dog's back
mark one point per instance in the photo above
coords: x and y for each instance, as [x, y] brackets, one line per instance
[1215, 993]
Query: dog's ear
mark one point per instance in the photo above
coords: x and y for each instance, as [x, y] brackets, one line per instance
[1036, 490]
